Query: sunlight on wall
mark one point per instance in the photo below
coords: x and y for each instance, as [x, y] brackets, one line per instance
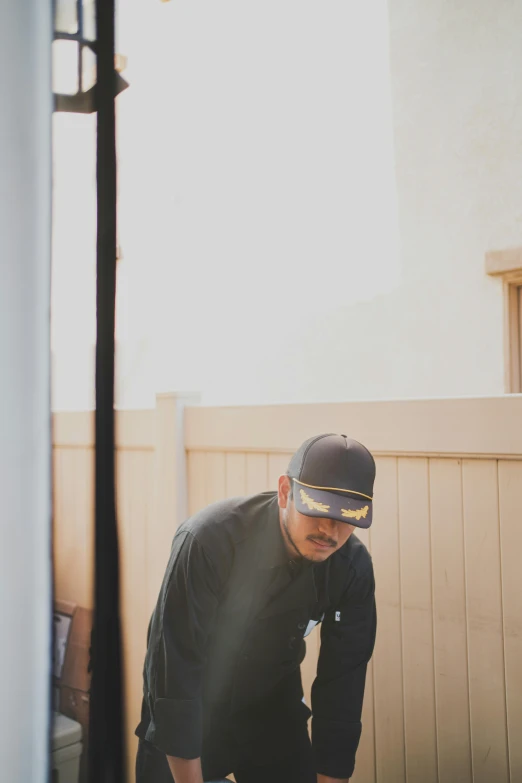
[256, 189]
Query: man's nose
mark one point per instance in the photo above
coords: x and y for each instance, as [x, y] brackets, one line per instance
[328, 527]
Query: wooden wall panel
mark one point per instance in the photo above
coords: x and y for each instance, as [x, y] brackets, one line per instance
[387, 660]
[196, 479]
[134, 495]
[443, 699]
[309, 665]
[235, 474]
[215, 487]
[365, 770]
[449, 621]
[277, 466]
[484, 602]
[257, 473]
[74, 524]
[510, 495]
[443, 427]
[417, 622]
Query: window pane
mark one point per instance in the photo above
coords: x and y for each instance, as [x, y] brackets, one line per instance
[65, 67]
[88, 69]
[66, 16]
[89, 20]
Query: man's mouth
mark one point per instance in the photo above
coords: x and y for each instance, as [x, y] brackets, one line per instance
[321, 543]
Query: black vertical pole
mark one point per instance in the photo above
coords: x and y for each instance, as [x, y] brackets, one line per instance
[106, 738]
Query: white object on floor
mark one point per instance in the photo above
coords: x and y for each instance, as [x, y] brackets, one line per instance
[67, 748]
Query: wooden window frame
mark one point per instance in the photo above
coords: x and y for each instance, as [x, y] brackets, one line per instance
[507, 264]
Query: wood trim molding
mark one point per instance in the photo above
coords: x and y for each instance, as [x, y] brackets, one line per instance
[505, 262]
[512, 337]
[507, 265]
[465, 426]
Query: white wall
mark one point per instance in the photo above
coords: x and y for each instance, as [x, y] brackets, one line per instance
[25, 432]
[457, 110]
[253, 164]
[259, 158]
[457, 101]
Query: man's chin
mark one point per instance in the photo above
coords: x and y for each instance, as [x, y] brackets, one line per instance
[316, 555]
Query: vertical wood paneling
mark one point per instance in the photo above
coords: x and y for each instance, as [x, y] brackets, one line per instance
[257, 473]
[486, 654]
[365, 771]
[446, 543]
[59, 526]
[510, 494]
[196, 477]
[387, 660]
[215, 477]
[277, 466]
[417, 622]
[235, 474]
[309, 665]
[74, 524]
[365, 760]
[449, 619]
[134, 495]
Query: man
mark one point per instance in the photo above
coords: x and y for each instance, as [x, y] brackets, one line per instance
[247, 580]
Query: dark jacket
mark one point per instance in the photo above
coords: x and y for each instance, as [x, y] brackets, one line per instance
[226, 638]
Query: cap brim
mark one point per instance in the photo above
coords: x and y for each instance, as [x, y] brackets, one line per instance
[329, 505]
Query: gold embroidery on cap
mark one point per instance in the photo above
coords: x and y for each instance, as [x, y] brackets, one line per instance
[312, 504]
[334, 489]
[362, 512]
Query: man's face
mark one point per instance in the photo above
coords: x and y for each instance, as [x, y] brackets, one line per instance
[313, 538]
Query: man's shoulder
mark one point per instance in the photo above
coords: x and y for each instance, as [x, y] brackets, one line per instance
[225, 524]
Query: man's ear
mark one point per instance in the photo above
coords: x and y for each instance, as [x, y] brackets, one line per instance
[283, 493]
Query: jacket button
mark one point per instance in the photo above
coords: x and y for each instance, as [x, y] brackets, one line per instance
[245, 657]
[292, 641]
[301, 626]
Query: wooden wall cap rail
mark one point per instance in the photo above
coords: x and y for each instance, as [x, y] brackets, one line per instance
[134, 429]
[467, 426]
[397, 454]
[474, 426]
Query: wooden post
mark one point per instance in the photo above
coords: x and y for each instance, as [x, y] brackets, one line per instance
[170, 483]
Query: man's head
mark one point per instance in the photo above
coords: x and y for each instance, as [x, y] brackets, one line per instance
[326, 494]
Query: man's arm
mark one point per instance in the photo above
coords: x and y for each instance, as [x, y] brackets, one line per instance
[347, 640]
[177, 652]
[186, 770]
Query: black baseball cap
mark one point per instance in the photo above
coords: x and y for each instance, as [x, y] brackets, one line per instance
[332, 477]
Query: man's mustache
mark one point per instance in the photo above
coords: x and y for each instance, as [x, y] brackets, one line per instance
[327, 541]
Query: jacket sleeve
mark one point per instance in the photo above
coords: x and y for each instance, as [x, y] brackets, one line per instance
[347, 641]
[178, 640]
